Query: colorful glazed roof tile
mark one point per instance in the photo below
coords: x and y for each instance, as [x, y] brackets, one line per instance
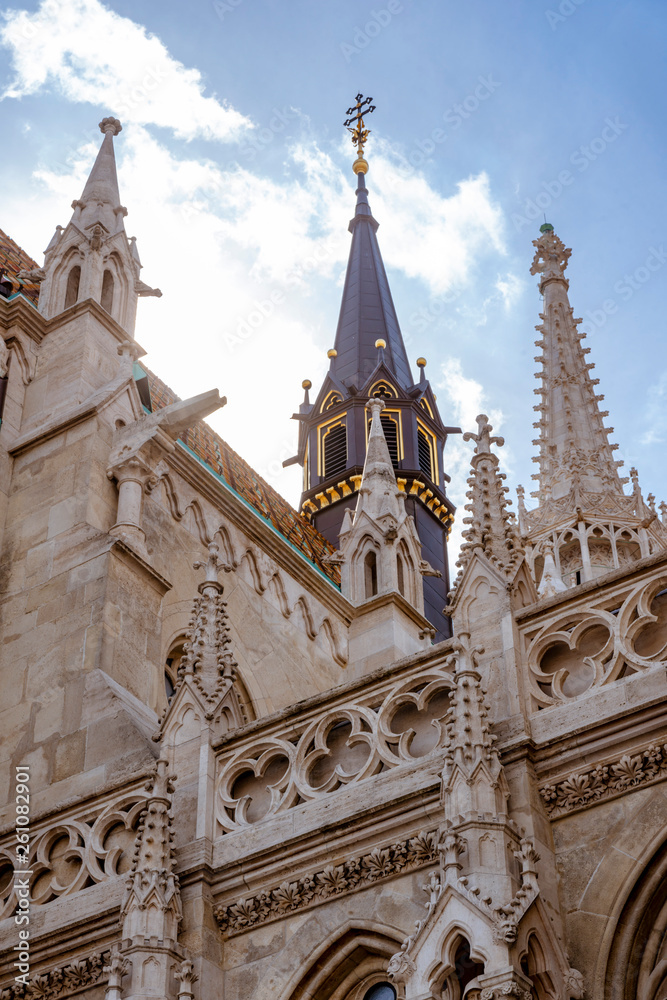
[13, 259]
[225, 462]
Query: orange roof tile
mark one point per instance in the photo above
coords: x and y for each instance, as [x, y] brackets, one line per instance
[13, 259]
[224, 461]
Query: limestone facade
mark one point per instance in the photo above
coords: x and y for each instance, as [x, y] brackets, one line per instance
[248, 781]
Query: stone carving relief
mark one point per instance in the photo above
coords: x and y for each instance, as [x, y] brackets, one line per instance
[334, 880]
[344, 745]
[603, 781]
[587, 648]
[61, 982]
[75, 853]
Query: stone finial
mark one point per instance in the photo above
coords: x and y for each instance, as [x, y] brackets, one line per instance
[550, 582]
[490, 529]
[186, 978]
[116, 969]
[111, 125]
[482, 438]
[213, 564]
[551, 256]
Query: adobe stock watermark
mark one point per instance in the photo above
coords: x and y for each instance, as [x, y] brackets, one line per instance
[581, 158]
[260, 139]
[626, 286]
[22, 874]
[565, 9]
[224, 7]
[453, 118]
[364, 34]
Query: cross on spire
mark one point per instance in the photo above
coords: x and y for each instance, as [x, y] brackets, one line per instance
[355, 123]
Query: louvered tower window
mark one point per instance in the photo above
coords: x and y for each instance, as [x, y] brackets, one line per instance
[390, 428]
[425, 454]
[335, 451]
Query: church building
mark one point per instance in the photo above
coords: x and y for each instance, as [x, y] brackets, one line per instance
[278, 753]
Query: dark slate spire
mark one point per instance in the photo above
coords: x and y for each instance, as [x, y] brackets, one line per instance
[367, 311]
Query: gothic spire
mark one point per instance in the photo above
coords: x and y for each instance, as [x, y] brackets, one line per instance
[491, 528]
[100, 200]
[152, 879]
[92, 257]
[575, 453]
[585, 525]
[367, 310]
[379, 495]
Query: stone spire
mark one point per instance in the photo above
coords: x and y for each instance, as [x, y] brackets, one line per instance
[492, 530]
[152, 907]
[575, 453]
[380, 551]
[208, 660]
[473, 780]
[585, 525]
[92, 257]
[100, 200]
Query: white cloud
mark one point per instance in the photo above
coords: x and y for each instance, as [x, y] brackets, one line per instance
[511, 287]
[88, 53]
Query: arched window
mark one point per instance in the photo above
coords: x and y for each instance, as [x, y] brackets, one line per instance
[106, 300]
[335, 450]
[381, 991]
[400, 574]
[371, 574]
[171, 665]
[72, 290]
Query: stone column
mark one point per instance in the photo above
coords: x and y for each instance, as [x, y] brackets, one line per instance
[132, 477]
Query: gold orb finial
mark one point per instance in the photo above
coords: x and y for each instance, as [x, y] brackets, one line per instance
[380, 343]
[332, 353]
[360, 165]
[306, 384]
[421, 362]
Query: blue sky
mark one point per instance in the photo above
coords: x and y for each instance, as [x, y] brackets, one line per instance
[236, 173]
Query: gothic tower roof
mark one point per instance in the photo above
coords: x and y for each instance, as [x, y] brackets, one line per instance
[367, 310]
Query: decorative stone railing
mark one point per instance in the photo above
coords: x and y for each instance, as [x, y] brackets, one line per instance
[388, 723]
[609, 633]
[74, 850]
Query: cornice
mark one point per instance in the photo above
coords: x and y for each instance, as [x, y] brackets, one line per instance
[99, 399]
[21, 313]
[329, 881]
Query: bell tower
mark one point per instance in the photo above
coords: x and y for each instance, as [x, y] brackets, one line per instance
[369, 360]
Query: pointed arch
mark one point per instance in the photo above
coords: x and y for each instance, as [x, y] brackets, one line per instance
[351, 955]
[72, 287]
